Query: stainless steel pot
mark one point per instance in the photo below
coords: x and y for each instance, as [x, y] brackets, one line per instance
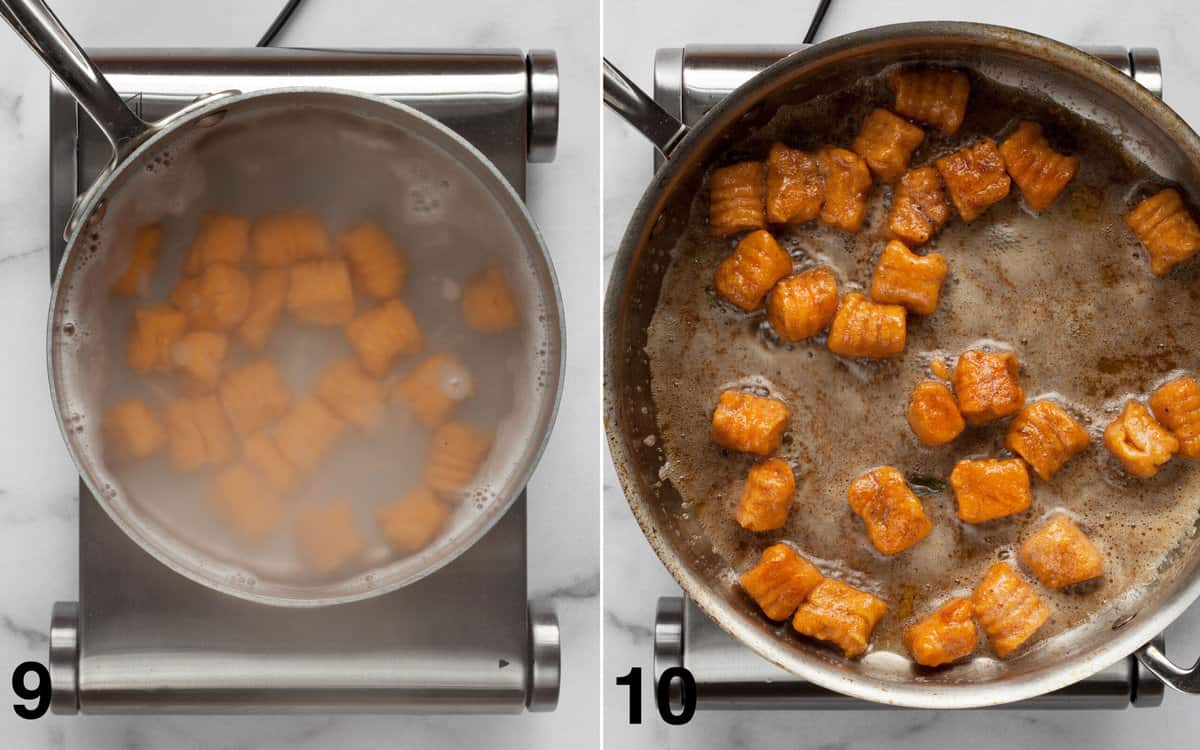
[143, 177]
[1147, 128]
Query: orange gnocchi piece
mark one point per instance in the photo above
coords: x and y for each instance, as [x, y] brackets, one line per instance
[893, 515]
[488, 303]
[319, 292]
[134, 281]
[155, 330]
[904, 278]
[260, 453]
[1008, 608]
[286, 237]
[748, 423]
[1039, 171]
[946, 635]
[766, 496]
[795, 190]
[780, 581]
[199, 357]
[222, 238]
[352, 394]
[745, 276]
[383, 333]
[1166, 229]
[847, 182]
[935, 96]
[434, 387]
[866, 329]
[801, 306]
[216, 300]
[254, 396]
[933, 414]
[198, 433]
[987, 385]
[268, 294]
[991, 488]
[841, 614]
[920, 207]
[1176, 405]
[455, 455]
[307, 433]
[887, 142]
[1046, 437]
[132, 431]
[376, 264]
[975, 178]
[736, 198]
[328, 536]
[1059, 554]
[247, 502]
[1139, 442]
[413, 521]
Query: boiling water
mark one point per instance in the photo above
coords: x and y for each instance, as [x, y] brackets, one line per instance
[448, 224]
[1068, 291]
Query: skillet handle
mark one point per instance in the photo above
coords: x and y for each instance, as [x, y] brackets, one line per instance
[1183, 679]
[639, 110]
[40, 28]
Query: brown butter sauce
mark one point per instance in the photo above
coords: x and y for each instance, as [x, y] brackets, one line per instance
[1068, 290]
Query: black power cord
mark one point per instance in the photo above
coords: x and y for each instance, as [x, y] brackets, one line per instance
[278, 24]
[818, 17]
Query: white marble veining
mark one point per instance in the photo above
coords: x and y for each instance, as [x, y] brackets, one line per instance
[633, 577]
[38, 556]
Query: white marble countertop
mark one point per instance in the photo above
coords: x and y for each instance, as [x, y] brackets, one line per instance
[38, 555]
[633, 577]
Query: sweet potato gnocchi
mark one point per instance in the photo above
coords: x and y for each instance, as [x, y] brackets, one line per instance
[975, 178]
[862, 328]
[1008, 609]
[766, 496]
[936, 96]
[920, 207]
[749, 423]
[780, 581]
[737, 198]
[948, 634]
[990, 488]
[841, 614]
[904, 278]
[803, 305]
[893, 515]
[795, 189]
[749, 272]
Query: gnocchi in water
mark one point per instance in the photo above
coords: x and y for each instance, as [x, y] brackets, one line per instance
[310, 384]
[903, 403]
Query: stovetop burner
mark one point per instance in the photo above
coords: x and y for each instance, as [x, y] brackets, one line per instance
[689, 81]
[144, 639]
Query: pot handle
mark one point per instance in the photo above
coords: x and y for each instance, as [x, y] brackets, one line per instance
[639, 110]
[44, 33]
[1185, 680]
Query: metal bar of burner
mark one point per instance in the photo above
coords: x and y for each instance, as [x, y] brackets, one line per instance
[688, 81]
[731, 677]
[143, 639]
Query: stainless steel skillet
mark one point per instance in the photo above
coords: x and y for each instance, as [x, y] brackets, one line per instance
[273, 132]
[1150, 132]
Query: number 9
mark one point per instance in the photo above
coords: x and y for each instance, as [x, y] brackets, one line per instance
[40, 690]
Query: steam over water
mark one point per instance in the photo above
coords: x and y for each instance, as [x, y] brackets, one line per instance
[1069, 291]
[348, 169]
